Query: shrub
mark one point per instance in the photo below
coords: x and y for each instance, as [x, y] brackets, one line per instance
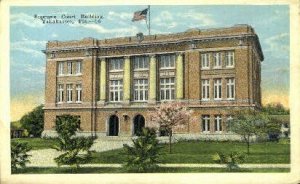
[143, 155]
[76, 149]
[19, 155]
[33, 121]
[231, 160]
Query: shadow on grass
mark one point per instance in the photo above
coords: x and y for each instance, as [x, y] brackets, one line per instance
[68, 170]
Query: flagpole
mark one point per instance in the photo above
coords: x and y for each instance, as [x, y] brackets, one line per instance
[149, 19]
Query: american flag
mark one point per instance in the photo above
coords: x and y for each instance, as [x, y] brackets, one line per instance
[140, 15]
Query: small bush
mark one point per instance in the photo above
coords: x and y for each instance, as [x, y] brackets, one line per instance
[231, 160]
[76, 149]
[143, 156]
[19, 155]
[284, 141]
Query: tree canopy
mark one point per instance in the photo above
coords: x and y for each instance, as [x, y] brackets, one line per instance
[33, 121]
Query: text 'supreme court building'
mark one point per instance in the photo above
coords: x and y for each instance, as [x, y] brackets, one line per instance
[113, 84]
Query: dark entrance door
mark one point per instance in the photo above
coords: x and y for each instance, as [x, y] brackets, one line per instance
[139, 124]
[113, 126]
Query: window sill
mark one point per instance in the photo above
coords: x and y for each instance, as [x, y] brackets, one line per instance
[217, 68]
[205, 68]
[116, 70]
[229, 67]
[142, 69]
[167, 68]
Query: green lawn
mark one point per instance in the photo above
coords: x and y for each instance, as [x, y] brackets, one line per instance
[55, 170]
[36, 143]
[189, 152]
[201, 152]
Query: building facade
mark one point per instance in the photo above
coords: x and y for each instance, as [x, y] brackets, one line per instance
[113, 84]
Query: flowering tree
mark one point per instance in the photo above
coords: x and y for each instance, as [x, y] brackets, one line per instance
[169, 116]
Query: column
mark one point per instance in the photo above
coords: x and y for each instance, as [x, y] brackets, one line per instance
[102, 80]
[152, 79]
[126, 80]
[179, 76]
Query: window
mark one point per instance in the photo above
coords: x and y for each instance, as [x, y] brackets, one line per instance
[229, 123]
[205, 89]
[217, 60]
[167, 89]
[217, 89]
[69, 92]
[116, 64]
[60, 93]
[70, 68]
[116, 90]
[140, 90]
[218, 123]
[78, 93]
[230, 87]
[167, 61]
[140, 62]
[60, 69]
[78, 67]
[205, 61]
[229, 59]
[205, 123]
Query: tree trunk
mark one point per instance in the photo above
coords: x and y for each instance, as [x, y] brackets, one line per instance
[170, 139]
[248, 145]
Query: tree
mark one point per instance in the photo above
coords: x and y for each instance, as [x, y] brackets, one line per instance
[76, 149]
[231, 160]
[143, 155]
[247, 124]
[33, 121]
[275, 109]
[19, 155]
[169, 116]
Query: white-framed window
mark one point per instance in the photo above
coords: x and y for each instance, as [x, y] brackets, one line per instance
[205, 89]
[167, 88]
[78, 93]
[70, 68]
[78, 67]
[60, 93]
[217, 60]
[229, 59]
[140, 62]
[205, 123]
[116, 64]
[140, 90]
[217, 89]
[230, 88]
[218, 123]
[69, 93]
[205, 61]
[229, 123]
[60, 68]
[167, 61]
[116, 90]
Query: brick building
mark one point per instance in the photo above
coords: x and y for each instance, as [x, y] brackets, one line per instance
[112, 84]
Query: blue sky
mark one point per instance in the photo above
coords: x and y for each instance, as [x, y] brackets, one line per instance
[28, 36]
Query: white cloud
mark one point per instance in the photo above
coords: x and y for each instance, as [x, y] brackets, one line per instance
[27, 20]
[35, 69]
[54, 35]
[277, 43]
[32, 47]
[165, 19]
[201, 18]
[100, 29]
[120, 15]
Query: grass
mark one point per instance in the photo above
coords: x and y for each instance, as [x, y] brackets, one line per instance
[56, 170]
[37, 143]
[201, 152]
[189, 152]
